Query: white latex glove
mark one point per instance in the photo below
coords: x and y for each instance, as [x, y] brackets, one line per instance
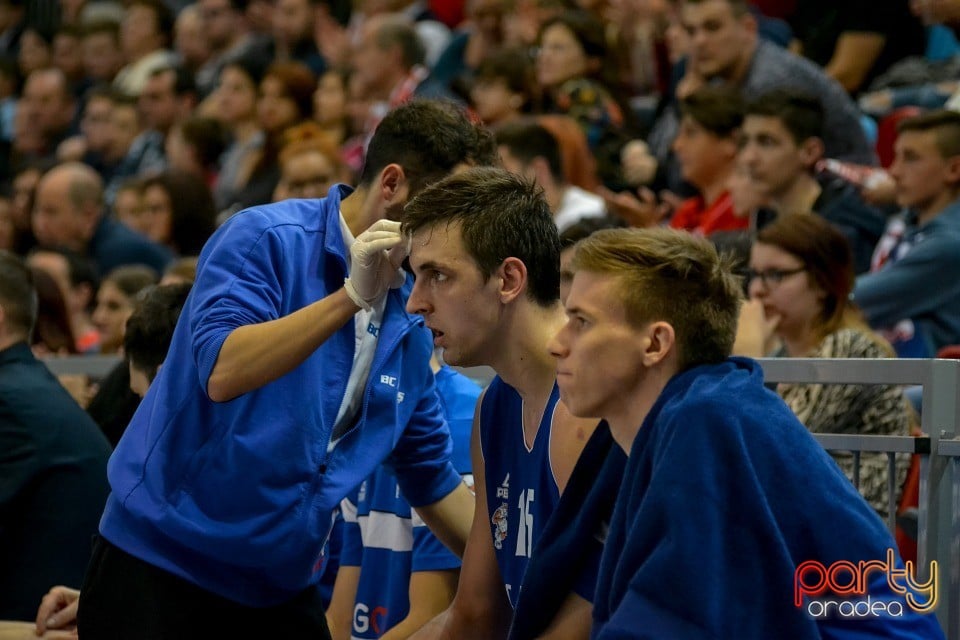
[375, 257]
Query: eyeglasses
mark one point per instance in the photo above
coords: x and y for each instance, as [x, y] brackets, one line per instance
[772, 277]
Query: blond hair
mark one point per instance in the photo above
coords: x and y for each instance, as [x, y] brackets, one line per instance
[671, 276]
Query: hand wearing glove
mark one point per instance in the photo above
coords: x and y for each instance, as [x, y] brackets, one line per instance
[376, 256]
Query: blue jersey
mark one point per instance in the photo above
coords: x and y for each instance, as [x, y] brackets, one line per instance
[522, 491]
[386, 539]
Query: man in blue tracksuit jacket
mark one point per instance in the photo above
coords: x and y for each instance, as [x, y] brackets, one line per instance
[731, 521]
[294, 371]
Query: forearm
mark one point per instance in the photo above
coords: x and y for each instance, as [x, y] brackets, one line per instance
[255, 355]
[450, 518]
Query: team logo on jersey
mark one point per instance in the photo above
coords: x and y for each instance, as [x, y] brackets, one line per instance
[499, 518]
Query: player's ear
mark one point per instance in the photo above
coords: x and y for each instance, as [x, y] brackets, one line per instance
[661, 341]
[512, 275]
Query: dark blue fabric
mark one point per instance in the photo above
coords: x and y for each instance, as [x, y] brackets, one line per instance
[567, 556]
[522, 492]
[53, 459]
[114, 245]
[725, 493]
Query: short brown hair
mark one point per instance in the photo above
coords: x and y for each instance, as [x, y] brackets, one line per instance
[499, 215]
[946, 127]
[672, 276]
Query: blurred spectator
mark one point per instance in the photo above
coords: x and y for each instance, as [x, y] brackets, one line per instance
[69, 212]
[25, 182]
[293, 23]
[476, 41]
[235, 103]
[504, 87]
[124, 127]
[579, 165]
[286, 99]
[309, 164]
[800, 278]
[11, 26]
[725, 47]
[330, 105]
[529, 149]
[144, 37]
[68, 57]
[856, 40]
[128, 203]
[115, 403]
[149, 331]
[189, 42]
[781, 145]
[706, 147]
[49, 108]
[571, 68]
[93, 145]
[168, 96]
[77, 280]
[180, 270]
[36, 51]
[52, 460]
[906, 294]
[177, 212]
[388, 66]
[115, 303]
[52, 333]
[102, 55]
[226, 34]
[194, 146]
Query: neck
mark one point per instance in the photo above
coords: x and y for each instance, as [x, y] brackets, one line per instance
[243, 131]
[800, 343]
[800, 196]
[553, 194]
[625, 420]
[936, 207]
[523, 360]
[7, 340]
[716, 187]
[358, 210]
[737, 73]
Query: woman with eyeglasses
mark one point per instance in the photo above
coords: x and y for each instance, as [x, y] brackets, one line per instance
[799, 281]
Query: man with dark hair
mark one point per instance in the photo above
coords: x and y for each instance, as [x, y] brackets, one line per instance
[528, 149]
[168, 96]
[905, 294]
[145, 34]
[49, 106]
[293, 372]
[52, 462]
[149, 331]
[388, 65]
[100, 44]
[725, 49]
[706, 147]
[485, 252]
[728, 506]
[782, 143]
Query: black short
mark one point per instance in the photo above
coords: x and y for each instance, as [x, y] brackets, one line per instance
[125, 598]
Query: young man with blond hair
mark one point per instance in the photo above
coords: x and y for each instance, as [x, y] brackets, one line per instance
[726, 498]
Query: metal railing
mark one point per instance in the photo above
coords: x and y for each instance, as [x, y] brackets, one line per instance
[939, 451]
